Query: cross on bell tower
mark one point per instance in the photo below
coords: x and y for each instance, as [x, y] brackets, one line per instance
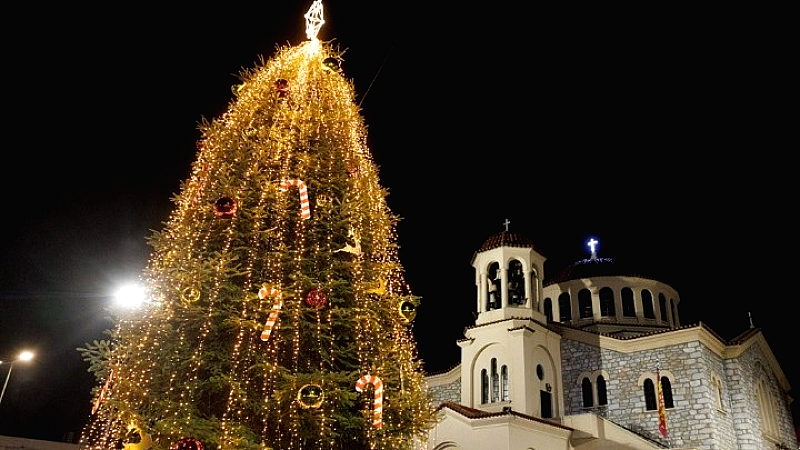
[507, 223]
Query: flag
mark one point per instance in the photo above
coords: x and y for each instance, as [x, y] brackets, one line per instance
[662, 412]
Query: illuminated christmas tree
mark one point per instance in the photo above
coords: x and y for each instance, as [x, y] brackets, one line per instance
[278, 315]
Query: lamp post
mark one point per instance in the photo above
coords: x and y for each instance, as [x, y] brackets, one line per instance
[24, 356]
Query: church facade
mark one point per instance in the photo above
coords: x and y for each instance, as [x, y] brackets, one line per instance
[589, 359]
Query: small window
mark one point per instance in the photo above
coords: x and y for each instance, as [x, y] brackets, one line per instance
[647, 305]
[504, 383]
[585, 303]
[662, 306]
[586, 388]
[602, 395]
[607, 308]
[666, 392]
[548, 309]
[495, 381]
[564, 307]
[628, 307]
[716, 385]
[650, 395]
[484, 387]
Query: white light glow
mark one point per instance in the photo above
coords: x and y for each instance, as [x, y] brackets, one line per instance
[130, 296]
[314, 20]
[592, 246]
[25, 356]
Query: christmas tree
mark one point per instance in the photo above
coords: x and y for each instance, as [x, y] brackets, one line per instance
[278, 316]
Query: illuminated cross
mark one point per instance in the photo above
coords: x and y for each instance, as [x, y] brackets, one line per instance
[592, 244]
[314, 20]
[507, 223]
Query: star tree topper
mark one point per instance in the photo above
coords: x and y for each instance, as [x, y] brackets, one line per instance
[314, 20]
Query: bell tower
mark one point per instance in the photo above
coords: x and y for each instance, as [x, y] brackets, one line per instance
[508, 275]
[509, 358]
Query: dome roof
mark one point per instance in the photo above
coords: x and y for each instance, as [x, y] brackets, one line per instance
[507, 239]
[598, 267]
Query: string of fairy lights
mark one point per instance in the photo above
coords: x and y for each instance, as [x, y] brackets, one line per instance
[278, 262]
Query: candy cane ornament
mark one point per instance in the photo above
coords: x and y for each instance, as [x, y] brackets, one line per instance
[305, 204]
[267, 291]
[377, 407]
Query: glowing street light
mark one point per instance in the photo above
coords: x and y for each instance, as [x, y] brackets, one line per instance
[130, 296]
[24, 356]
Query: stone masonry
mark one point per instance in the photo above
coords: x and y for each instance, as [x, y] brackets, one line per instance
[696, 420]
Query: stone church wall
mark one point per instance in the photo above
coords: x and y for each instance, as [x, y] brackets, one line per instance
[694, 421]
[450, 392]
[742, 375]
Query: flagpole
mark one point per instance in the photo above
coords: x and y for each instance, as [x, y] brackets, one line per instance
[662, 411]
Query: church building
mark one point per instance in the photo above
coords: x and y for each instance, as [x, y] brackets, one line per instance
[597, 358]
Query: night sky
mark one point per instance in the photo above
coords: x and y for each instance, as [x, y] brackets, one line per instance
[663, 133]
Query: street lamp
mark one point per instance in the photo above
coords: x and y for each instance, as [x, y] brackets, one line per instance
[24, 356]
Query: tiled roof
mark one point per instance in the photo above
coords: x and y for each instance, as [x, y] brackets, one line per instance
[472, 413]
[507, 239]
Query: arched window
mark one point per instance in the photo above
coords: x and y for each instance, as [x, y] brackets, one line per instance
[585, 303]
[548, 309]
[484, 387]
[564, 307]
[662, 306]
[494, 283]
[650, 403]
[769, 421]
[602, 395]
[647, 305]
[607, 308]
[628, 307]
[504, 383]
[586, 389]
[666, 392]
[716, 385]
[516, 283]
[495, 381]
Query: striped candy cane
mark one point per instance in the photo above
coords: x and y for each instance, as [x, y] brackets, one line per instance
[305, 205]
[267, 291]
[377, 409]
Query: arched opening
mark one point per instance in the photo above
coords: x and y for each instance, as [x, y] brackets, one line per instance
[650, 403]
[628, 306]
[647, 305]
[484, 387]
[662, 307]
[607, 308]
[495, 382]
[548, 309]
[666, 392]
[585, 304]
[504, 395]
[602, 395]
[564, 307]
[516, 283]
[493, 298]
[586, 390]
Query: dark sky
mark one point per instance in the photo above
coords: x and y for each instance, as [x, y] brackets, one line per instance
[663, 132]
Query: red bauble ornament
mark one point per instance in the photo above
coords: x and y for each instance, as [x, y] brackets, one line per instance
[225, 207]
[187, 444]
[282, 86]
[316, 298]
